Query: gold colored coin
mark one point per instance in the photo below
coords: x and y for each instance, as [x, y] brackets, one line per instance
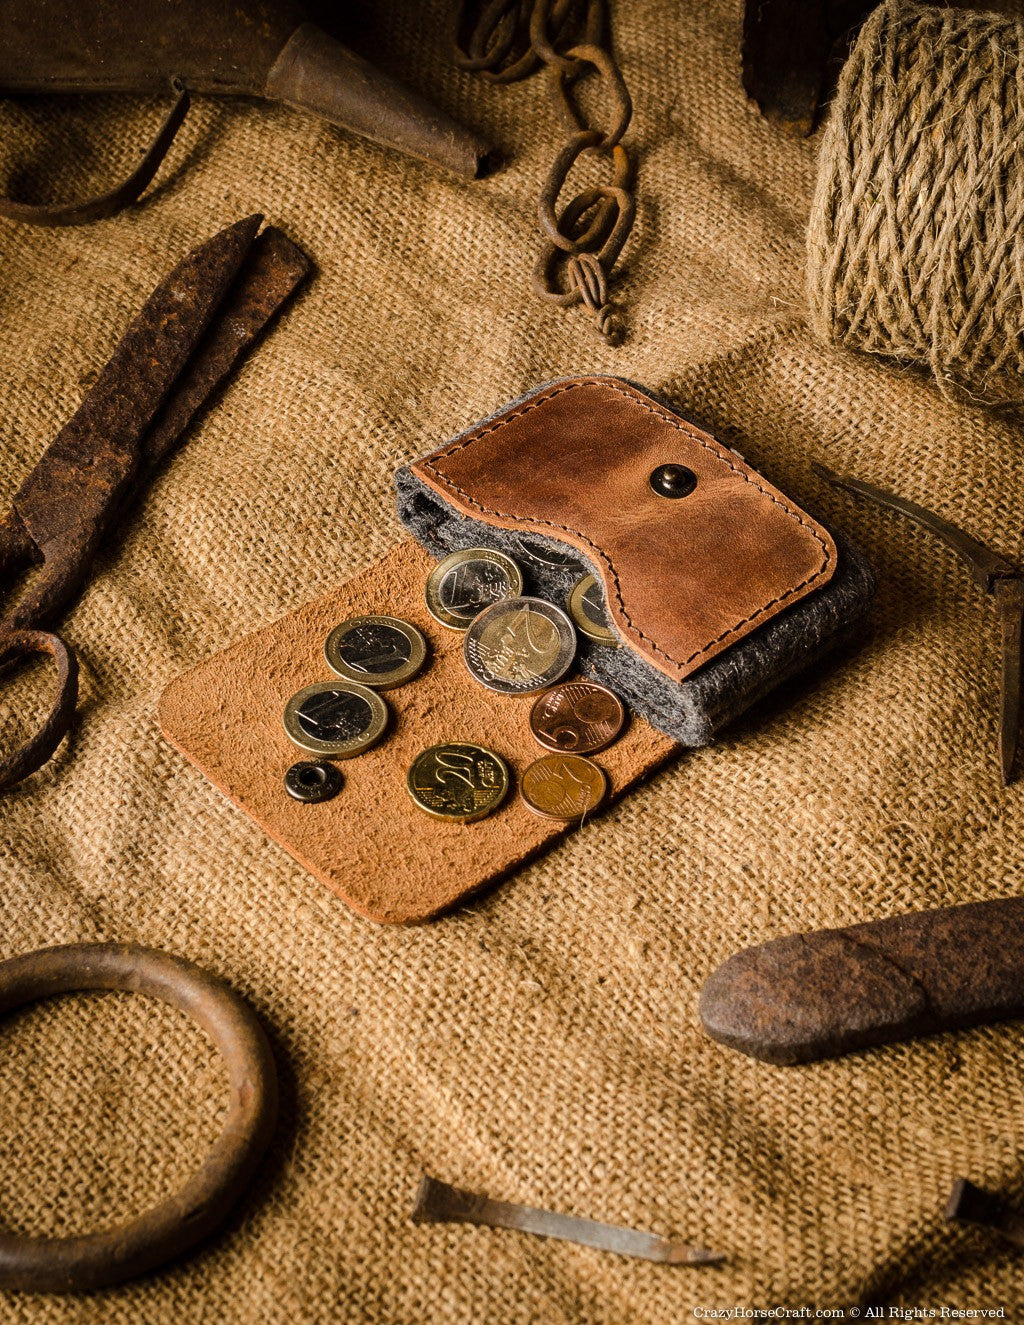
[589, 611]
[378, 651]
[458, 781]
[520, 645]
[467, 581]
[566, 787]
[339, 719]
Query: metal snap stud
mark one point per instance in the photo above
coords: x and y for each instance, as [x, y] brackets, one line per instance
[313, 781]
[673, 481]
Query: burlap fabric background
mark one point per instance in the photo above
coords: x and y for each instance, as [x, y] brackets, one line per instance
[543, 1044]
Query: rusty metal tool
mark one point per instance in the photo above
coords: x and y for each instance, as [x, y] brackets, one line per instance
[89, 1261]
[805, 997]
[191, 332]
[266, 48]
[789, 49]
[439, 1203]
[970, 1204]
[991, 572]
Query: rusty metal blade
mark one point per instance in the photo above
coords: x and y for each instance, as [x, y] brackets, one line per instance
[1009, 595]
[270, 275]
[439, 1203]
[970, 1204]
[985, 565]
[70, 497]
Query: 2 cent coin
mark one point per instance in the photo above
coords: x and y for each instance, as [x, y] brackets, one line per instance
[565, 787]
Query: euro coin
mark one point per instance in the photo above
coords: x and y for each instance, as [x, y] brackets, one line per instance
[589, 611]
[577, 717]
[378, 651]
[519, 646]
[467, 581]
[457, 781]
[335, 718]
[564, 787]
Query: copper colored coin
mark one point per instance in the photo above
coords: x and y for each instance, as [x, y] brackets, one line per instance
[563, 787]
[577, 717]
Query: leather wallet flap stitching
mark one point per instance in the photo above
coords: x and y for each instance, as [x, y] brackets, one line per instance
[684, 578]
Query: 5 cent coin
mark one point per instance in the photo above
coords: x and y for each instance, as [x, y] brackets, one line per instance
[564, 787]
[458, 781]
[520, 645]
[378, 651]
[589, 611]
[577, 717]
[335, 718]
[469, 580]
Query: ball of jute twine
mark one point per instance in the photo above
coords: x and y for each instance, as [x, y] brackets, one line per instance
[916, 236]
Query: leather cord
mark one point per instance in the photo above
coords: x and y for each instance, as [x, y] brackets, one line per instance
[122, 195]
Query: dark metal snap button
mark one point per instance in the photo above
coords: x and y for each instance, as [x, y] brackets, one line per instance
[312, 780]
[673, 481]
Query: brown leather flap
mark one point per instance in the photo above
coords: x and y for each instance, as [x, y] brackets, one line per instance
[685, 578]
[371, 845]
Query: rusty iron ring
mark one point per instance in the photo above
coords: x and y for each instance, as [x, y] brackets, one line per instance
[96, 1260]
[622, 103]
[564, 162]
[15, 647]
[545, 12]
[491, 39]
[543, 274]
[602, 200]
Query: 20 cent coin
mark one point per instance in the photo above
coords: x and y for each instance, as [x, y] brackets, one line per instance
[520, 645]
[335, 718]
[378, 651]
[589, 611]
[563, 787]
[458, 781]
[577, 717]
[469, 580]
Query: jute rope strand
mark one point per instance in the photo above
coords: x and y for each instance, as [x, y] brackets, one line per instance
[915, 242]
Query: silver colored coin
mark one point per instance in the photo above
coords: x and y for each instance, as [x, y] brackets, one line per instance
[336, 718]
[545, 555]
[589, 611]
[378, 651]
[467, 581]
[520, 645]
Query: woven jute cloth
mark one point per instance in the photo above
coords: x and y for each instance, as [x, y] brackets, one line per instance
[541, 1044]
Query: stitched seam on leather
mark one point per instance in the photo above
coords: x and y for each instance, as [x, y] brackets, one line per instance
[680, 426]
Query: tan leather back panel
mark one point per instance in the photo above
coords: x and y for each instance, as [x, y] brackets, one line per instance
[371, 845]
[685, 578]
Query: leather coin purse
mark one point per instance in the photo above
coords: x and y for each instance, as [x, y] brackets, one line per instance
[716, 585]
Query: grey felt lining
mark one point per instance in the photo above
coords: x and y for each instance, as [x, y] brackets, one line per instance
[691, 711]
